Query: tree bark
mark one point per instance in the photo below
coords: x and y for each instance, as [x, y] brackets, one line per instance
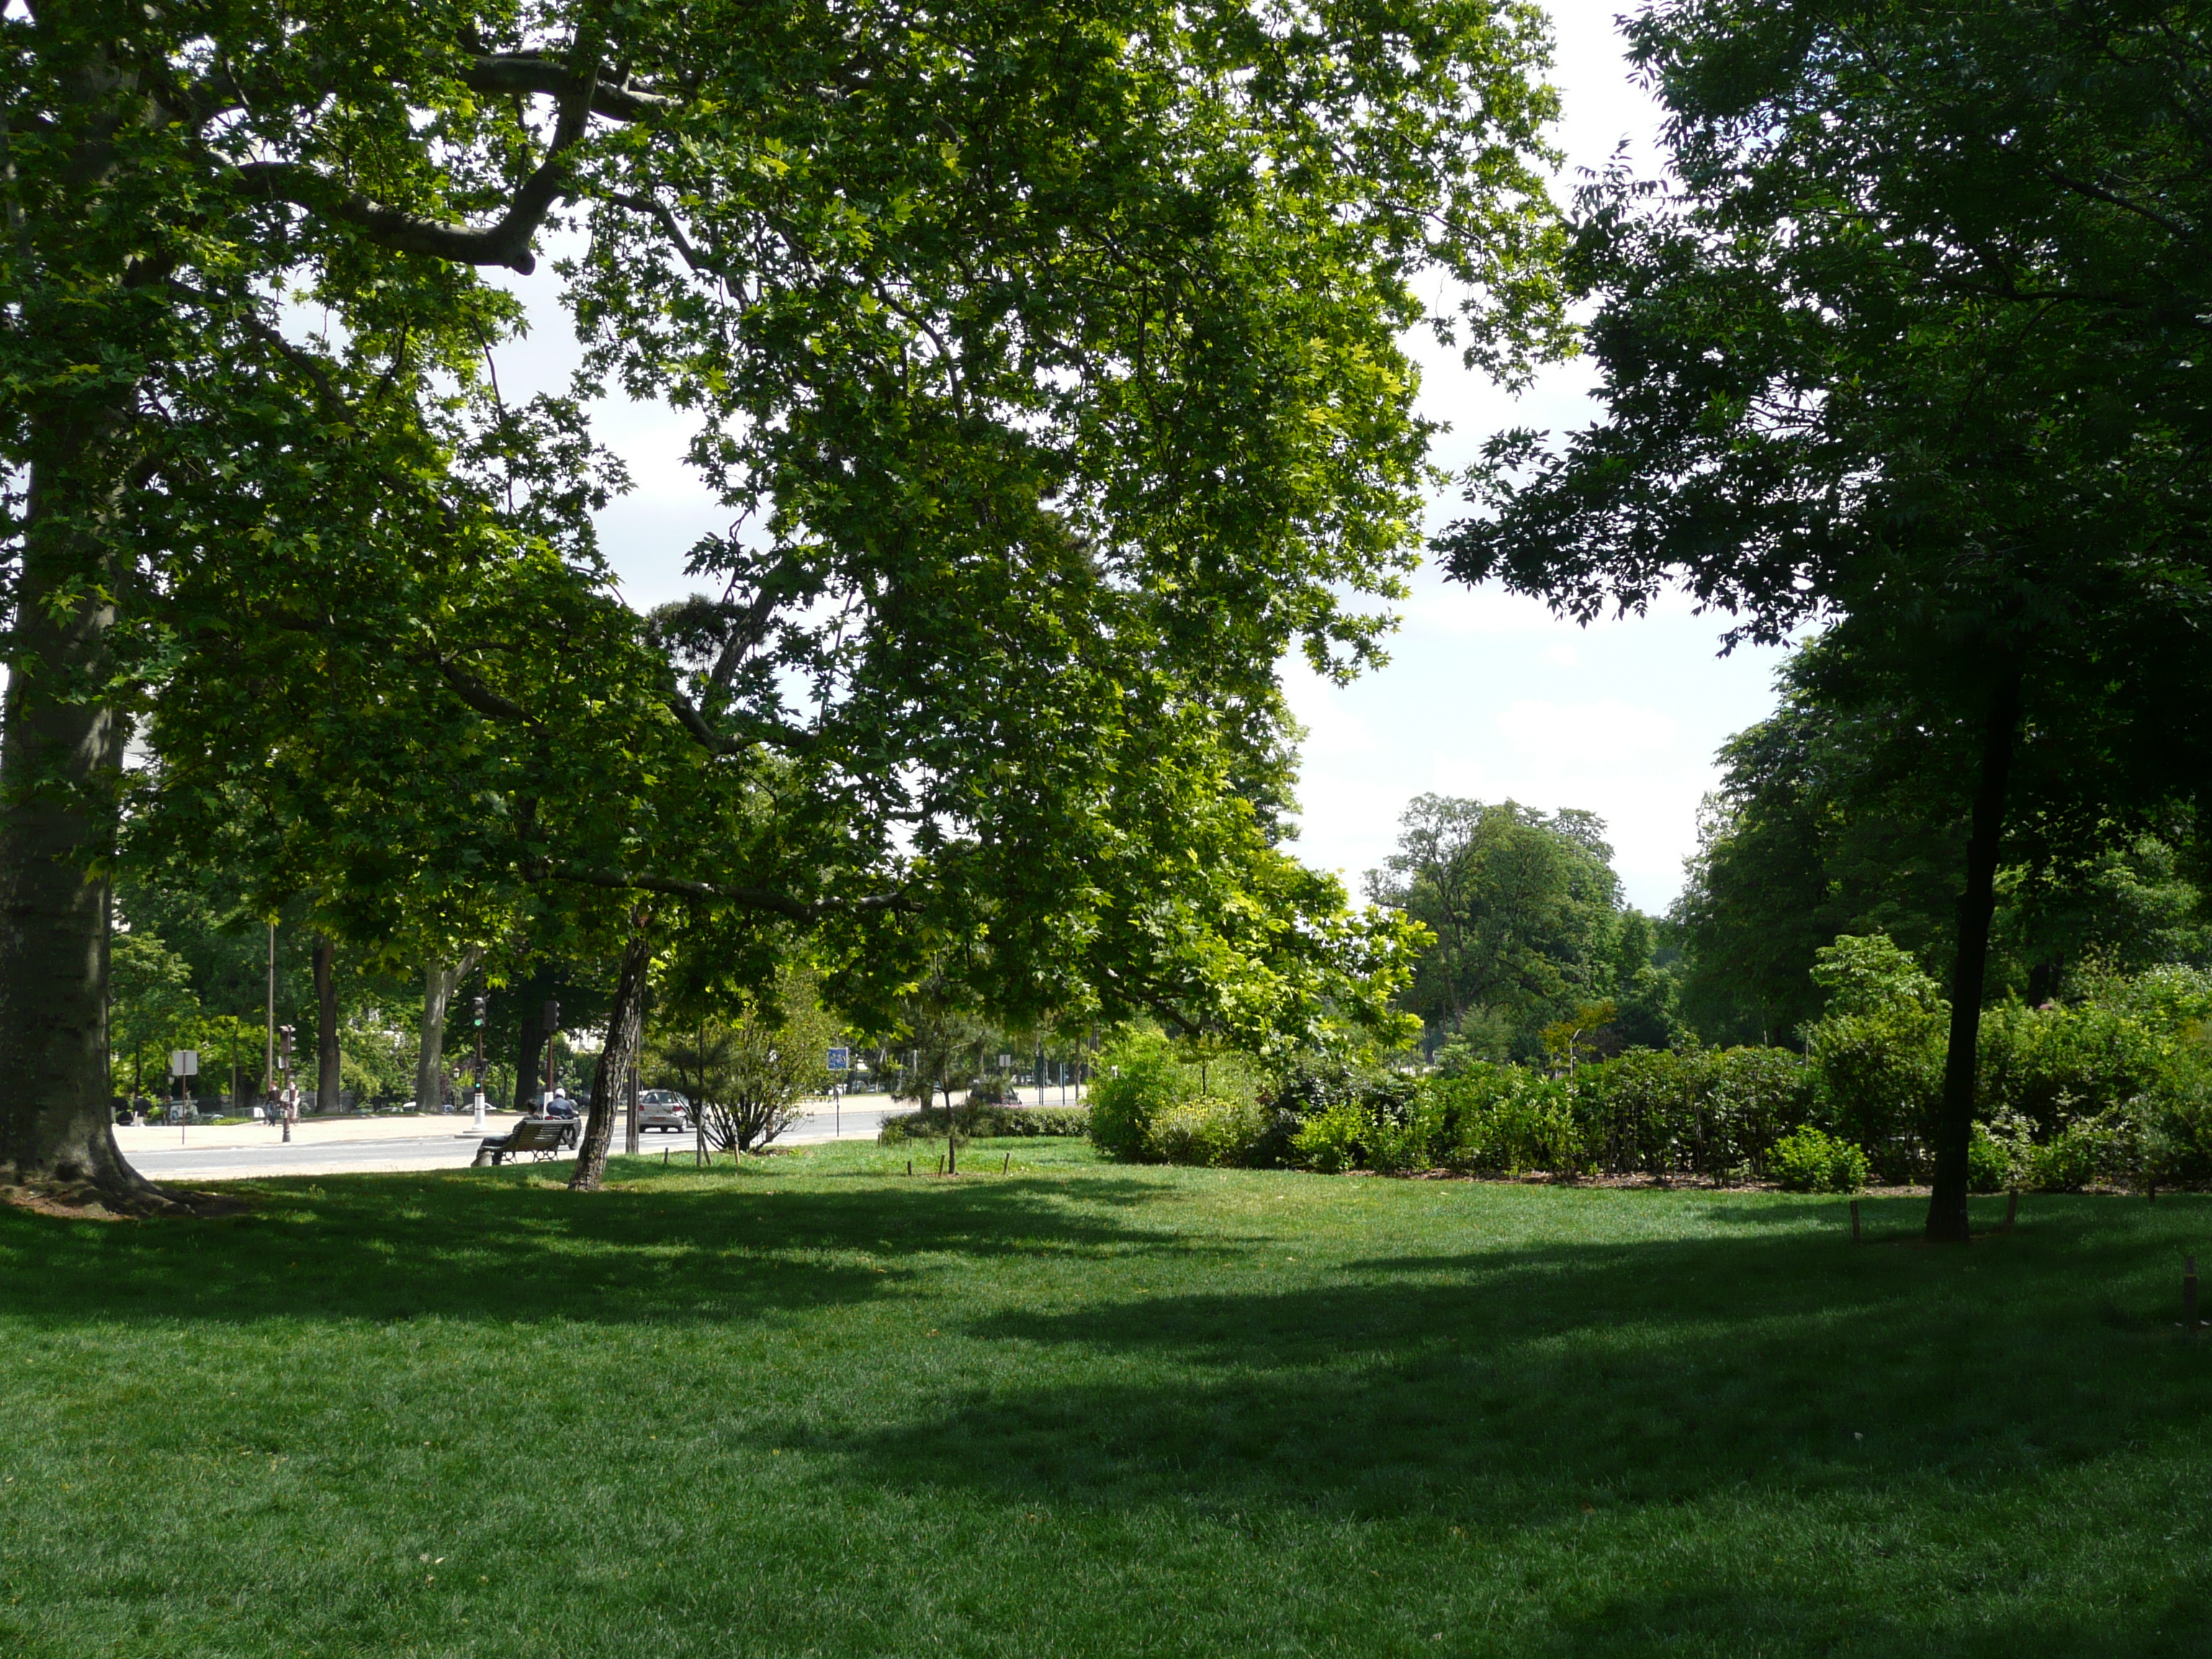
[1954, 1126]
[60, 763]
[440, 981]
[530, 1036]
[625, 1024]
[328, 1064]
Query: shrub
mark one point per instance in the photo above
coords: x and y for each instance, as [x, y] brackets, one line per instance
[2002, 1153]
[2053, 1065]
[1989, 1162]
[986, 1123]
[1877, 1051]
[1880, 1077]
[1208, 1130]
[1810, 1160]
[1141, 1078]
[1706, 1112]
[1369, 1111]
[1501, 1119]
[1332, 1139]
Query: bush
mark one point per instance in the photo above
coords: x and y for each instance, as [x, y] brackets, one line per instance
[1703, 1112]
[1332, 1139]
[1989, 1162]
[1810, 1160]
[1499, 1118]
[2053, 1065]
[1140, 1078]
[1355, 1111]
[986, 1123]
[1880, 1076]
[1208, 1130]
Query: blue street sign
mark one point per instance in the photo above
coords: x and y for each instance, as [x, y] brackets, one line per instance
[841, 1060]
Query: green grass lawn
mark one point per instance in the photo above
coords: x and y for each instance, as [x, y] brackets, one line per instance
[815, 1406]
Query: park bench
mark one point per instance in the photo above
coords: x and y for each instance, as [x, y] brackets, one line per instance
[542, 1138]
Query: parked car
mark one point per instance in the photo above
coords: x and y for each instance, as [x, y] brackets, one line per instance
[663, 1108]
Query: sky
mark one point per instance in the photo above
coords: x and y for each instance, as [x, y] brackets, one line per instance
[1486, 694]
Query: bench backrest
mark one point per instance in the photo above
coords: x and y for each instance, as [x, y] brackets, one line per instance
[533, 1133]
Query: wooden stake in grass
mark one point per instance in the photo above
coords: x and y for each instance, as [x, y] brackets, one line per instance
[1854, 1221]
[940, 1166]
[910, 1166]
[2189, 1295]
[1008, 1164]
[2012, 1208]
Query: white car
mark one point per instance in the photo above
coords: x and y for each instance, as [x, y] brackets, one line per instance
[663, 1108]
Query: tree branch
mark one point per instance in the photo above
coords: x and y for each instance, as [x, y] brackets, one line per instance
[505, 243]
[646, 204]
[753, 898]
[702, 733]
[529, 72]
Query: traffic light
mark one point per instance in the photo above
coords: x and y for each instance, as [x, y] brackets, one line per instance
[480, 1010]
[552, 1015]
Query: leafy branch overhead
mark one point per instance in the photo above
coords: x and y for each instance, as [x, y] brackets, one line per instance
[1046, 356]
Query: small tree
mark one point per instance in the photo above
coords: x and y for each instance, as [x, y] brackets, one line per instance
[747, 1071]
[153, 1008]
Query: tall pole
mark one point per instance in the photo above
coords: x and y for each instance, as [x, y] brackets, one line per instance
[479, 1124]
[269, 1053]
[629, 1127]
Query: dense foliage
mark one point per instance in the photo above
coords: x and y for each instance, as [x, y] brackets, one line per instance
[1840, 814]
[1527, 927]
[1046, 356]
[2117, 1087]
[1911, 343]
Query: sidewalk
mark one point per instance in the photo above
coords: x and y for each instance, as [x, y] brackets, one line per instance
[411, 1126]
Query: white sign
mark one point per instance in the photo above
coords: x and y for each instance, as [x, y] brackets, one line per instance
[841, 1060]
[183, 1062]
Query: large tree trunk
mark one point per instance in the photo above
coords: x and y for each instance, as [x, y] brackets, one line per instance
[529, 1054]
[440, 981]
[625, 1024]
[1954, 1125]
[60, 759]
[329, 1065]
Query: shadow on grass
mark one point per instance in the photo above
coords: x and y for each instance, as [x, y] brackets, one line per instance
[510, 1246]
[1514, 1384]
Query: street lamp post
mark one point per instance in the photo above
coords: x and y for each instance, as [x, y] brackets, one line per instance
[477, 1122]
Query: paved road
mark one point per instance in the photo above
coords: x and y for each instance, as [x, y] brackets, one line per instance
[449, 1150]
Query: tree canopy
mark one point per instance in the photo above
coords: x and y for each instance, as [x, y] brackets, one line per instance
[1525, 916]
[1840, 814]
[1045, 354]
[1915, 347]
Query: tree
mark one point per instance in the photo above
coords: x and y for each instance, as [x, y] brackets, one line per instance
[154, 1010]
[1918, 346]
[440, 981]
[943, 1035]
[1048, 434]
[1839, 815]
[1524, 907]
[747, 1070]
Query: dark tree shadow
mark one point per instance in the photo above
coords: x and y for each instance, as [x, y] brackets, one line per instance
[511, 1245]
